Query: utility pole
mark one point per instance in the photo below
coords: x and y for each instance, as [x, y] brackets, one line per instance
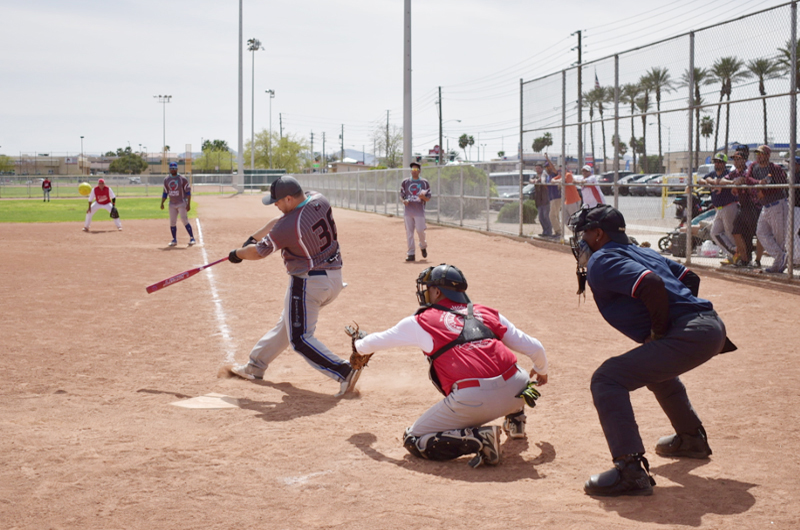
[324, 162]
[341, 137]
[439, 158]
[580, 99]
[407, 130]
[387, 138]
[280, 124]
[253, 45]
[239, 185]
[312, 150]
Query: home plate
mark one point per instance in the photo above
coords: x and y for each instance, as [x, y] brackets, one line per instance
[209, 402]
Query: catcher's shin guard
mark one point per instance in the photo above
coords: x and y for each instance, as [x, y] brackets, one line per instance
[448, 445]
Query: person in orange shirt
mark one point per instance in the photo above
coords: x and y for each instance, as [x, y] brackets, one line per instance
[572, 199]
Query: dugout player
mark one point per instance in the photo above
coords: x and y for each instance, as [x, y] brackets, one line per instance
[101, 197]
[177, 188]
[306, 237]
[653, 301]
[415, 192]
[468, 347]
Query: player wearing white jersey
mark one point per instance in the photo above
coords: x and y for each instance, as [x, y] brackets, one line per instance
[101, 197]
[306, 237]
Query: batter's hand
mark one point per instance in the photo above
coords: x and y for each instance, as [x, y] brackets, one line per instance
[233, 258]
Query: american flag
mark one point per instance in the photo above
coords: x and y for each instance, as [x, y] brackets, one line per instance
[596, 81]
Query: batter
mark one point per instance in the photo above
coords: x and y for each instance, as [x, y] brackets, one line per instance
[177, 188]
[468, 347]
[306, 236]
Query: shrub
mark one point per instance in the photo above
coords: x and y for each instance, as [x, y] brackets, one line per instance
[510, 212]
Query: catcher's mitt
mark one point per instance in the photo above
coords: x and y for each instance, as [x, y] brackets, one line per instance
[114, 213]
[357, 360]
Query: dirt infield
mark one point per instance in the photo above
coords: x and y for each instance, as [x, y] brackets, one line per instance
[91, 364]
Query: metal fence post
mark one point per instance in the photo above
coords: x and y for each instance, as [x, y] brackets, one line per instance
[563, 182]
[439, 195]
[519, 152]
[690, 193]
[488, 199]
[616, 132]
[793, 145]
[461, 201]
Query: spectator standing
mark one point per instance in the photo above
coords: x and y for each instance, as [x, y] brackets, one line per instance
[415, 192]
[542, 199]
[554, 194]
[744, 224]
[590, 191]
[771, 228]
[572, 199]
[794, 232]
[724, 202]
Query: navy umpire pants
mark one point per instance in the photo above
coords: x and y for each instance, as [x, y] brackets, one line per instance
[692, 340]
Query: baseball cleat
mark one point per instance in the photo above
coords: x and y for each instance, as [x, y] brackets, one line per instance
[85, 229]
[348, 384]
[243, 371]
[173, 243]
[411, 258]
[514, 426]
[424, 252]
[629, 476]
[684, 445]
[192, 242]
[489, 453]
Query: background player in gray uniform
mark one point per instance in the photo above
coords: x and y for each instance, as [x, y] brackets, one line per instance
[415, 192]
[306, 237]
[176, 187]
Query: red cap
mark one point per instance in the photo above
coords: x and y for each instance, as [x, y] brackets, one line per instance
[101, 181]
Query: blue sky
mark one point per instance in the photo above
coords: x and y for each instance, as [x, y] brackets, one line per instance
[91, 68]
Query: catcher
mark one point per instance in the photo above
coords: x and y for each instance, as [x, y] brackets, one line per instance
[468, 347]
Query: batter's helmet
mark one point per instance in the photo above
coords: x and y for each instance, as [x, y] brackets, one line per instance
[447, 278]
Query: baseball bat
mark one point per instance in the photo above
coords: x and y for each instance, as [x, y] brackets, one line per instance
[182, 276]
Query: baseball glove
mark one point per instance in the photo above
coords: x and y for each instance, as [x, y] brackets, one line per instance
[357, 360]
[114, 213]
[530, 394]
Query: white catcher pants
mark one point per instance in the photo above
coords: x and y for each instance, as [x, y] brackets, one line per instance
[95, 207]
[474, 406]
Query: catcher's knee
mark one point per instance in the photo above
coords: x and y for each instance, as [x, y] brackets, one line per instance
[446, 445]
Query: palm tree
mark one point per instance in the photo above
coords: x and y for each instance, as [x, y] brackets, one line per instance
[765, 69]
[643, 104]
[702, 76]
[661, 82]
[604, 95]
[727, 71]
[630, 92]
[590, 101]
[785, 59]
[706, 128]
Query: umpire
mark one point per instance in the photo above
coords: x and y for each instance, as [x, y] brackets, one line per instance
[653, 301]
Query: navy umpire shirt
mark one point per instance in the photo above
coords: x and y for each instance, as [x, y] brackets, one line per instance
[614, 273]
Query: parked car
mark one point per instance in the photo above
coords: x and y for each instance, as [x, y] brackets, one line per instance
[638, 187]
[607, 180]
[624, 181]
[135, 180]
[527, 192]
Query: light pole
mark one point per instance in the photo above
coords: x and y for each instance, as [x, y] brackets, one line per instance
[253, 45]
[80, 165]
[164, 100]
[271, 97]
[484, 152]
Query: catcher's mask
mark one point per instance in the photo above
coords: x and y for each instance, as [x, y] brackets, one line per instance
[447, 278]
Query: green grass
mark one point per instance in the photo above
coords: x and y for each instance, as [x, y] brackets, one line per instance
[67, 210]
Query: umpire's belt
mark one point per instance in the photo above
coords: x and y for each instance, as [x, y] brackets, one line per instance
[317, 273]
[469, 383]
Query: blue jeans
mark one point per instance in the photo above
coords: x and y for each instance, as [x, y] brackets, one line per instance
[544, 219]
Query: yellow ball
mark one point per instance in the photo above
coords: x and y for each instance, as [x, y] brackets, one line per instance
[84, 188]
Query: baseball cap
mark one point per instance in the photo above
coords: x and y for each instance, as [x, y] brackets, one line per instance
[722, 157]
[413, 164]
[283, 187]
[173, 165]
[101, 181]
[587, 168]
[603, 216]
[764, 149]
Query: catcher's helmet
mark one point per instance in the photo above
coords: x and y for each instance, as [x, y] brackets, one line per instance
[447, 278]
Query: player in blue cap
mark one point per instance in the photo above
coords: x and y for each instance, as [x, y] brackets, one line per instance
[653, 301]
[177, 188]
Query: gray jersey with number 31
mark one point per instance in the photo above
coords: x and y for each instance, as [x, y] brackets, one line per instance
[306, 237]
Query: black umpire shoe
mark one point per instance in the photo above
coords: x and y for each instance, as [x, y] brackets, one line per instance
[411, 258]
[424, 252]
[684, 445]
[629, 476]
